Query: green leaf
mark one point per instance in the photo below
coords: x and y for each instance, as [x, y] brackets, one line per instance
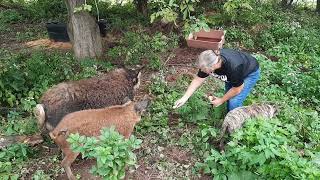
[191, 8]
[152, 18]
[14, 177]
[87, 7]
[261, 159]
[242, 175]
[24, 151]
[203, 132]
[1, 84]
[2, 154]
[121, 174]
[185, 14]
[268, 153]
[103, 159]
[220, 177]
[247, 6]
[171, 2]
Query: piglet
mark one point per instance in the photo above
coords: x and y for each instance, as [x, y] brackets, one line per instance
[90, 122]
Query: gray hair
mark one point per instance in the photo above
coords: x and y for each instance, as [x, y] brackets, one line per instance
[207, 59]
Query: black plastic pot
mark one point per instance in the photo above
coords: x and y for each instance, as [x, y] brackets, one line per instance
[57, 31]
[103, 26]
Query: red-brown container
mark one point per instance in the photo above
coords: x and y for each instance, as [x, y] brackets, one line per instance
[213, 39]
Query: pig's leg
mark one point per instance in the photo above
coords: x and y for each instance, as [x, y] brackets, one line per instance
[127, 131]
[127, 135]
[221, 144]
[69, 157]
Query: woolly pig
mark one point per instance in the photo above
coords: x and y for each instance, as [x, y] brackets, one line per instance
[113, 88]
[90, 122]
[236, 118]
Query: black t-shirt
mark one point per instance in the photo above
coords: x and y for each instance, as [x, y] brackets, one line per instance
[236, 66]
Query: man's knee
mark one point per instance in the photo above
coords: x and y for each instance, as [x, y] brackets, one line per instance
[234, 103]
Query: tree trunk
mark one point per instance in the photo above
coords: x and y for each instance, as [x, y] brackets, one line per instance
[83, 32]
[318, 6]
[142, 6]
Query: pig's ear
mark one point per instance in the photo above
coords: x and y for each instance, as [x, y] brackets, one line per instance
[63, 132]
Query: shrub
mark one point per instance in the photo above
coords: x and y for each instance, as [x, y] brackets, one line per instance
[165, 97]
[266, 148]
[16, 124]
[112, 152]
[47, 9]
[11, 160]
[239, 35]
[10, 16]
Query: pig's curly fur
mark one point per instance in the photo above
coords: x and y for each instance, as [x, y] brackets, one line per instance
[90, 122]
[236, 118]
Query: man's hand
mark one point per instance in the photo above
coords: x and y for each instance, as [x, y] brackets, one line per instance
[196, 82]
[215, 101]
[180, 102]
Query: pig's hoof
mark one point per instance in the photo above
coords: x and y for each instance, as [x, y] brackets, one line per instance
[39, 114]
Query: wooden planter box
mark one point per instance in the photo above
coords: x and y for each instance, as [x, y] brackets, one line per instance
[213, 39]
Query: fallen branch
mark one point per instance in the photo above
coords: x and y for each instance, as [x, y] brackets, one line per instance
[31, 140]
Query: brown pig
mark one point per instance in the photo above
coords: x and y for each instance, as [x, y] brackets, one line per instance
[90, 122]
